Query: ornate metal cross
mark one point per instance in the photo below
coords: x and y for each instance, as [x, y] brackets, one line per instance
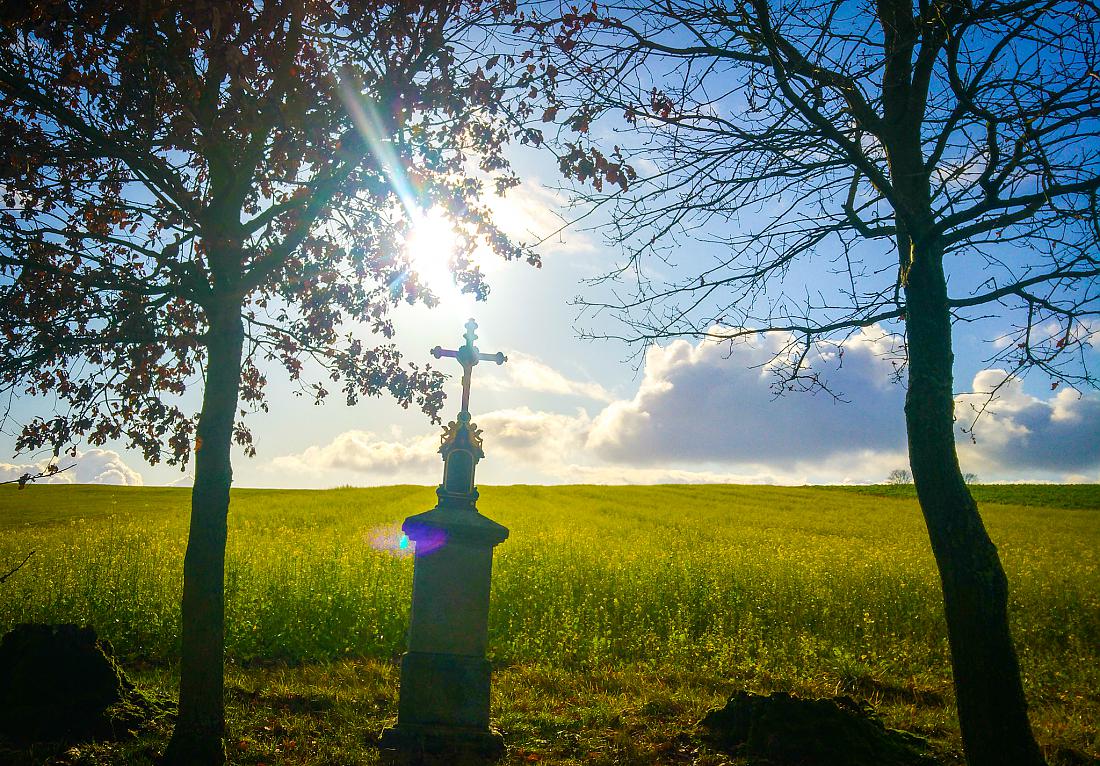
[468, 356]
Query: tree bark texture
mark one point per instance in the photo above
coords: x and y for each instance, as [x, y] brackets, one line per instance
[990, 696]
[198, 736]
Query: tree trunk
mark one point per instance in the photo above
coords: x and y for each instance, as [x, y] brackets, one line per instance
[197, 739]
[988, 690]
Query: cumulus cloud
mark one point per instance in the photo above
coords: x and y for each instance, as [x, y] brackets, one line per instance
[93, 466]
[706, 413]
[12, 471]
[1018, 431]
[521, 435]
[530, 373]
[535, 436]
[710, 402]
[365, 453]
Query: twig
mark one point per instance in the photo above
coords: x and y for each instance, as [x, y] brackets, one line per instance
[10, 572]
[50, 470]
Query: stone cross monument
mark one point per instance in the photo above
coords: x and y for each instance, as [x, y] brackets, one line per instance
[443, 709]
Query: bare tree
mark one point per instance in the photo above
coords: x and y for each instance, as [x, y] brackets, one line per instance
[844, 163]
[899, 476]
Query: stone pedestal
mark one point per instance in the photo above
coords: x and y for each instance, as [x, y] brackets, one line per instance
[443, 710]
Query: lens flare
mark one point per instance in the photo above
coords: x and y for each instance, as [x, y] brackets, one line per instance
[432, 241]
[430, 247]
[389, 539]
[429, 540]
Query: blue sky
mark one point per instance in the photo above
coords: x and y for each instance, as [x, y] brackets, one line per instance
[564, 410]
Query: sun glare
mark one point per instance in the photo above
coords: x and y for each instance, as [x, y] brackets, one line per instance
[430, 247]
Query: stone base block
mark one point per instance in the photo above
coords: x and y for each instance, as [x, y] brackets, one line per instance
[417, 745]
[444, 690]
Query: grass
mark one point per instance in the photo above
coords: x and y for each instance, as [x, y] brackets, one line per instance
[620, 614]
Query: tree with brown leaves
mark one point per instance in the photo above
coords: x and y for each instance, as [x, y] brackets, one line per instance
[207, 190]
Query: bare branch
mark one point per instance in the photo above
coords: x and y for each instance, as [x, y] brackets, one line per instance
[4, 577]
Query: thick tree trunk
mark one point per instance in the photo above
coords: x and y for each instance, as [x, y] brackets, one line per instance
[197, 739]
[990, 696]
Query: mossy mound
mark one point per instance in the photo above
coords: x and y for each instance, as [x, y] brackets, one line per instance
[783, 730]
[60, 683]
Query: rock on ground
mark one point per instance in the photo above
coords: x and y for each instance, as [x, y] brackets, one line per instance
[59, 683]
[783, 730]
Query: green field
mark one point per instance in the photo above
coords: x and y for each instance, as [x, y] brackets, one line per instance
[620, 614]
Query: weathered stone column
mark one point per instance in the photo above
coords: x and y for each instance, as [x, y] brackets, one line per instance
[443, 710]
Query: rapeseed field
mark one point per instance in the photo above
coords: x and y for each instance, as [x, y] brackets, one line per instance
[608, 602]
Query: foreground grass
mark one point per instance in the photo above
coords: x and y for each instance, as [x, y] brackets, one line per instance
[619, 614]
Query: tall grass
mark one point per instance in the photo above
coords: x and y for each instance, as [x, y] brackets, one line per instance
[805, 585]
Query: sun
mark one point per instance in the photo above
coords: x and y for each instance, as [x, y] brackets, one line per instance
[430, 247]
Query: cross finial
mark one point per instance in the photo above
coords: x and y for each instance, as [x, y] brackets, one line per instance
[468, 356]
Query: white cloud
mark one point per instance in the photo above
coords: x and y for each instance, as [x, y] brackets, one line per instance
[530, 373]
[1019, 432]
[94, 466]
[12, 471]
[707, 413]
[705, 404]
[712, 402]
[533, 213]
[619, 474]
[533, 436]
[858, 467]
[362, 452]
[519, 435]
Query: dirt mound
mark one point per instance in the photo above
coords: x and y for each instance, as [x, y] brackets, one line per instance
[60, 683]
[783, 730]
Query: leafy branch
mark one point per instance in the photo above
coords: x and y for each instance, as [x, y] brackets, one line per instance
[27, 478]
